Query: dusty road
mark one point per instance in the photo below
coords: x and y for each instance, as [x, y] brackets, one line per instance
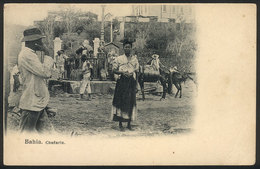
[155, 117]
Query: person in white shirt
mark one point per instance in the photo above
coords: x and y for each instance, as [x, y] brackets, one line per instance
[155, 63]
[85, 83]
[34, 72]
[60, 63]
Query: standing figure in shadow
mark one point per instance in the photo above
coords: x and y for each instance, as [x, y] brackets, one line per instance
[124, 101]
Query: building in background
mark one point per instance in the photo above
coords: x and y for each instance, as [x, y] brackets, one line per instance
[156, 13]
[165, 13]
[60, 17]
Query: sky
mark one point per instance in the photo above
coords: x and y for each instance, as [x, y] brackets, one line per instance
[25, 14]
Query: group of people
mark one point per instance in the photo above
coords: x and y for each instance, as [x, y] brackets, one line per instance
[35, 70]
[65, 64]
[80, 62]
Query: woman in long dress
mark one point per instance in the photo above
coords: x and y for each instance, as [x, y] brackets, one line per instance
[124, 101]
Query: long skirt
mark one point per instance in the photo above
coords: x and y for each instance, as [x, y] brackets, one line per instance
[124, 101]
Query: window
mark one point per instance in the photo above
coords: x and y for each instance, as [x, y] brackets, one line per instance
[173, 9]
[164, 8]
[140, 12]
[181, 9]
[190, 11]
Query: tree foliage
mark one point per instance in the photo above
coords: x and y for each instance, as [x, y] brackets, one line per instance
[174, 41]
[72, 29]
[183, 46]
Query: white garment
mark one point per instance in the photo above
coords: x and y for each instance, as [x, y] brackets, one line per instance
[35, 95]
[122, 63]
[85, 83]
[155, 64]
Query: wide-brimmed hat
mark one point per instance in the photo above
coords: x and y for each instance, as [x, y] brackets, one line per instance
[32, 34]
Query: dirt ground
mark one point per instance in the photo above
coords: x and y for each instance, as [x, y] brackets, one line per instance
[155, 117]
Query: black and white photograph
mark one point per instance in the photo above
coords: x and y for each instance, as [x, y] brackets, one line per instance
[129, 84]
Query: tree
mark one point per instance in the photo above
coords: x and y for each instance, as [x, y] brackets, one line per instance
[174, 41]
[47, 28]
[58, 30]
[183, 45]
[141, 38]
[92, 30]
[68, 21]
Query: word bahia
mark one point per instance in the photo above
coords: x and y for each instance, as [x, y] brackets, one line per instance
[32, 141]
[36, 141]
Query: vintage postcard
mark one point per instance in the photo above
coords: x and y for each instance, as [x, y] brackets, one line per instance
[129, 84]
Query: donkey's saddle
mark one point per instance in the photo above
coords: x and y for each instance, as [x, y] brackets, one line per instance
[149, 69]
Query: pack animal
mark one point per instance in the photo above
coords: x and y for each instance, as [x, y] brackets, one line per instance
[163, 77]
[179, 78]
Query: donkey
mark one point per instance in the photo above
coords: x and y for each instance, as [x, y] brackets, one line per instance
[163, 77]
[179, 78]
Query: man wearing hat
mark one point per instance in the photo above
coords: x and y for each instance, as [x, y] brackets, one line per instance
[155, 63]
[34, 72]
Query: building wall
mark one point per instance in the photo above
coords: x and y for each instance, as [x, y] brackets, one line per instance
[146, 10]
[164, 12]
